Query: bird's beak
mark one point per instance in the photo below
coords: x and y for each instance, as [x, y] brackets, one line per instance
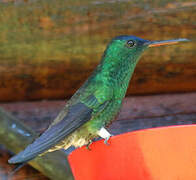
[165, 42]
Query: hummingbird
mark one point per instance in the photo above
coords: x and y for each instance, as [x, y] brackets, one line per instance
[96, 103]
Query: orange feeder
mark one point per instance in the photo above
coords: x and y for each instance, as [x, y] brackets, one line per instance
[167, 153]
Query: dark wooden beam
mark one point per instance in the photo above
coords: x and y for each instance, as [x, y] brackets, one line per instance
[139, 112]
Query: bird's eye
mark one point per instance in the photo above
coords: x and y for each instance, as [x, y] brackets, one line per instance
[130, 43]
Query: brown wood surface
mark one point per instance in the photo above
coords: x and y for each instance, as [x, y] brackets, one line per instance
[174, 108]
[27, 172]
[48, 48]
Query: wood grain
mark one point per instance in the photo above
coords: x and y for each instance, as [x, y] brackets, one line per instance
[48, 48]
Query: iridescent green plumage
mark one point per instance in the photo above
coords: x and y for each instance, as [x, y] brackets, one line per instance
[96, 103]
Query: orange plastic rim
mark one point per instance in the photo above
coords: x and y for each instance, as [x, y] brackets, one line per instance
[167, 153]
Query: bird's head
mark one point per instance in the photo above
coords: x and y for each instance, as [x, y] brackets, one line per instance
[129, 48]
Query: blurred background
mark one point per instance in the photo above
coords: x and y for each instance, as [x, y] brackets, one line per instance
[49, 47]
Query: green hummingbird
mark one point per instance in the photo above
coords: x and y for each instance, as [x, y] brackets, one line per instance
[96, 103]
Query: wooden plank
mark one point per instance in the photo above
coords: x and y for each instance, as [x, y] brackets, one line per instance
[48, 48]
[141, 111]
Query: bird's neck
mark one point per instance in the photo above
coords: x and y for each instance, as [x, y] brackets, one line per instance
[117, 75]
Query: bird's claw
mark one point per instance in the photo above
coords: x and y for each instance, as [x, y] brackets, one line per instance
[106, 141]
[105, 135]
[88, 145]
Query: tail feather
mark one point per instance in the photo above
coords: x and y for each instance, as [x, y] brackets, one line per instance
[19, 159]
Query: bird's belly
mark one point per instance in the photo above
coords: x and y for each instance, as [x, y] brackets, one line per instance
[77, 139]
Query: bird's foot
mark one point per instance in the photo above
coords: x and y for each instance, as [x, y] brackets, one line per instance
[105, 135]
[106, 141]
[88, 145]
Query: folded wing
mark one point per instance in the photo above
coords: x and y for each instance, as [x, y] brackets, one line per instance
[77, 115]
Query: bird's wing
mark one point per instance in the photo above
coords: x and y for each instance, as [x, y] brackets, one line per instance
[76, 116]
